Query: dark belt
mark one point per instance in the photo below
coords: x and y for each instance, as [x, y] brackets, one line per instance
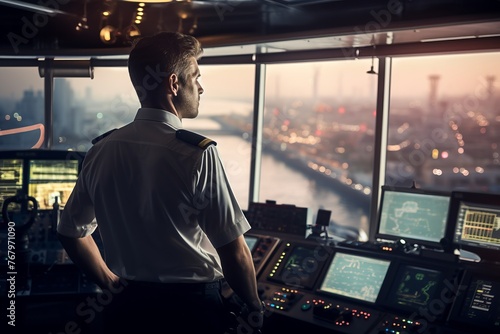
[199, 287]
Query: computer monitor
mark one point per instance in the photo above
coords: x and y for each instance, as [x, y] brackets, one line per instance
[414, 287]
[474, 223]
[11, 178]
[355, 276]
[418, 216]
[46, 175]
[298, 265]
[52, 180]
[477, 308]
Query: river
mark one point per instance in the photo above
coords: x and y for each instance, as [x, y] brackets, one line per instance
[284, 184]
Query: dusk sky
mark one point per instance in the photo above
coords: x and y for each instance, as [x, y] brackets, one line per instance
[460, 74]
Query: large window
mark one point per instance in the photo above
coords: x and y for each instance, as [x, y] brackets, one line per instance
[21, 108]
[319, 138]
[84, 109]
[319, 120]
[444, 123]
[226, 109]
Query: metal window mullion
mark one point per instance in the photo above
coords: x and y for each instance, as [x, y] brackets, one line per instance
[257, 130]
[381, 131]
[48, 103]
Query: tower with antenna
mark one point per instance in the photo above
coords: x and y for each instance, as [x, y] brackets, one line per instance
[490, 87]
[434, 80]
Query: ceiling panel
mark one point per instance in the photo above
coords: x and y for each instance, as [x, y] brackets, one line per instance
[49, 27]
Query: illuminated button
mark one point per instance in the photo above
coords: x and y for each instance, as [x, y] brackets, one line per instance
[305, 307]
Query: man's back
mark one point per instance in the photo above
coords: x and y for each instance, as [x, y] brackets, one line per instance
[153, 231]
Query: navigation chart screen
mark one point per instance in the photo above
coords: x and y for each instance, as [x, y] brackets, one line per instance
[417, 216]
[355, 276]
[414, 287]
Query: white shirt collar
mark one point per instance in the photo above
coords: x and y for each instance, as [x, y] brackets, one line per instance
[158, 115]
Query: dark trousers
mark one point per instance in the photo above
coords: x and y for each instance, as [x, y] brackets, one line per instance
[187, 308]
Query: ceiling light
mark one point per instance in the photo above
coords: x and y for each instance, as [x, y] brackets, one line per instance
[108, 34]
[109, 8]
[82, 25]
[132, 32]
[149, 1]
[441, 39]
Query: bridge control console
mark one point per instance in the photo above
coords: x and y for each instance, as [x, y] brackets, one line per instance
[262, 247]
[321, 288]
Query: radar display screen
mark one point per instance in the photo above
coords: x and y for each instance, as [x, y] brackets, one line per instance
[299, 265]
[416, 215]
[414, 287]
[354, 276]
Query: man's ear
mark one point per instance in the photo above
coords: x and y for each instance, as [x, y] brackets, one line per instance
[173, 84]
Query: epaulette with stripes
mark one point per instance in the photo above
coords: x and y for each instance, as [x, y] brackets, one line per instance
[104, 135]
[194, 138]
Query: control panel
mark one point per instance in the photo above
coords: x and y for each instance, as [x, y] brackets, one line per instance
[262, 247]
[391, 323]
[321, 287]
[41, 246]
[315, 310]
[278, 218]
[307, 285]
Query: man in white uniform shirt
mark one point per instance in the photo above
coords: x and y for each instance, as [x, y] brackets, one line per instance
[170, 225]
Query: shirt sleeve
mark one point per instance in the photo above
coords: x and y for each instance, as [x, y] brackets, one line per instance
[220, 217]
[78, 218]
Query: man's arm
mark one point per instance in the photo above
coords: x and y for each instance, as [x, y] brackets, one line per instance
[239, 272]
[86, 255]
